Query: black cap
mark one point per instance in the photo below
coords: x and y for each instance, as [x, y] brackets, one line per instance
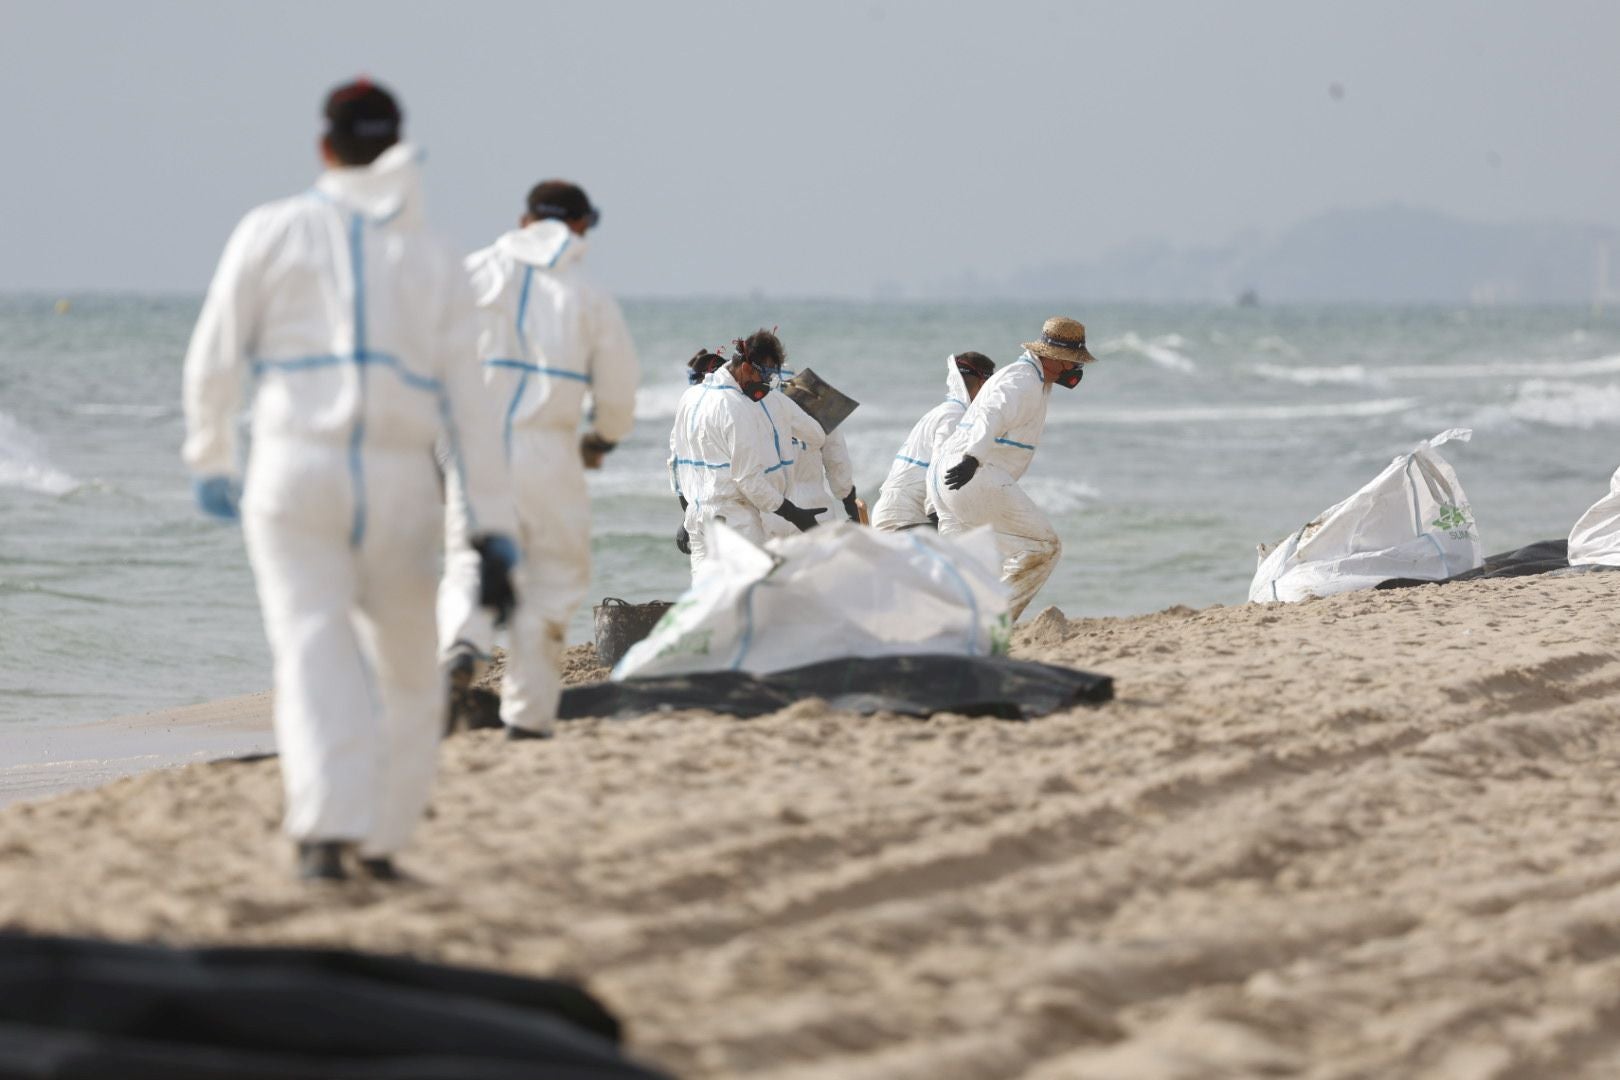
[563, 201]
[362, 120]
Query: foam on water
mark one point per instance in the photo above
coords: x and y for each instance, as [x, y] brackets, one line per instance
[139, 412]
[1227, 413]
[658, 401]
[1164, 350]
[1556, 404]
[24, 464]
[1343, 375]
[1060, 494]
[1509, 369]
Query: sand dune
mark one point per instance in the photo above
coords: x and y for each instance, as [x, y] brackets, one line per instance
[1368, 836]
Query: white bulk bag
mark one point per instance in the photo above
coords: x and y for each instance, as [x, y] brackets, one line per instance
[1412, 521]
[837, 590]
[1595, 539]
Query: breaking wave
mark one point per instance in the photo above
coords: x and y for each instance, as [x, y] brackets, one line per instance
[1222, 413]
[1164, 350]
[1345, 375]
[1558, 405]
[24, 464]
[1507, 369]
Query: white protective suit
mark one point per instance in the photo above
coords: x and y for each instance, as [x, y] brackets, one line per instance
[359, 327]
[1001, 428]
[547, 337]
[904, 503]
[816, 463]
[726, 463]
[1595, 539]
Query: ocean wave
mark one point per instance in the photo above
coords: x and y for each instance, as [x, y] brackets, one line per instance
[1164, 350]
[24, 463]
[1556, 404]
[1272, 343]
[1344, 375]
[139, 412]
[1224, 413]
[1058, 495]
[1506, 369]
[658, 401]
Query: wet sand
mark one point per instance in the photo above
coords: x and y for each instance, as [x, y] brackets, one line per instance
[1367, 836]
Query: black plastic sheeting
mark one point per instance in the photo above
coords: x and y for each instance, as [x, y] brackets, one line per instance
[994, 686]
[1542, 557]
[72, 1009]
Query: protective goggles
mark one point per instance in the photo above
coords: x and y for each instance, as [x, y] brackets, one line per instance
[551, 210]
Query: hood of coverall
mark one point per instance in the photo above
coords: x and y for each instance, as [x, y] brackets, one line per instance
[955, 385]
[389, 190]
[548, 244]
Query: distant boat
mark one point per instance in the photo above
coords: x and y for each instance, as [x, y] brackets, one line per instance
[1248, 298]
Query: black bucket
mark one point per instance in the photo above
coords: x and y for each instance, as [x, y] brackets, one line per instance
[620, 625]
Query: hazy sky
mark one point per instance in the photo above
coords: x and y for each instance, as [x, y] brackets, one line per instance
[808, 148]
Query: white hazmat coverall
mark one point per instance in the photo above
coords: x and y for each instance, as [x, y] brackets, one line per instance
[1001, 428]
[813, 460]
[903, 503]
[548, 337]
[359, 328]
[726, 466]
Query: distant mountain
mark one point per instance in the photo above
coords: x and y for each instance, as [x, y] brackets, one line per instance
[1390, 254]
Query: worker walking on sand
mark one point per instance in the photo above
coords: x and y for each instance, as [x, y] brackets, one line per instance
[974, 476]
[702, 364]
[727, 465]
[358, 327]
[549, 338]
[903, 502]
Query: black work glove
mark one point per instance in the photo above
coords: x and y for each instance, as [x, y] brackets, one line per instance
[957, 476]
[850, 508]
[593, 448]
[803, 520]
[683, 539]
[497, 555]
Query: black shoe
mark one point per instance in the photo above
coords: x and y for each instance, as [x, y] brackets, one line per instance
[321, 860]
[515, 733]
[381, 868]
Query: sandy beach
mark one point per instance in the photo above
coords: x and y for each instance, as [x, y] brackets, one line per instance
[1368, 836]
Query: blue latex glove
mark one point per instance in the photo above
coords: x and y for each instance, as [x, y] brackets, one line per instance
[218, 496]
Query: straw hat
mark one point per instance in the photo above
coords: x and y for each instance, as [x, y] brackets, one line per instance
[1062, 340]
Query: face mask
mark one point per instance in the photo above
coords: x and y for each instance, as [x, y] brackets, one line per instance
[1069, 378]
[754, 390]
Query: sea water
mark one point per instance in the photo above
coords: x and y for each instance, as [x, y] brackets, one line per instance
[1200, 433]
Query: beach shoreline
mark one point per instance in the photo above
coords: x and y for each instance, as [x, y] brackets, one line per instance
[1365, 835]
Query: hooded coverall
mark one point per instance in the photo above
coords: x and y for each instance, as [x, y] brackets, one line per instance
[726, 463]
[1001, 428]
[547, 337]
[903, 503]
[358, 326]
[814, 461]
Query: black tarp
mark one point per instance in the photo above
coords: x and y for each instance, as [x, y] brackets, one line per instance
[995, 686]
[72, 1009]
[1541, 557]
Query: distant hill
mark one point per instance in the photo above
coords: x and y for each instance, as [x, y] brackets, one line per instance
[1390, 254]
